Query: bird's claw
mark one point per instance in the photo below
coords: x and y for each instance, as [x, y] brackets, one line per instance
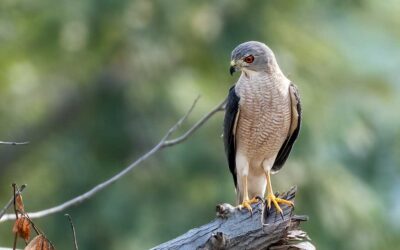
[247, 204]
[260, 199]
[271, 198]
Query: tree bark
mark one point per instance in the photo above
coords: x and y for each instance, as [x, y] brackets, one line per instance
[240, 229]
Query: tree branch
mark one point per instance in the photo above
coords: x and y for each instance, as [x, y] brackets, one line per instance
[199, 123]
[239, 229]
[163, 143]
[13, 143]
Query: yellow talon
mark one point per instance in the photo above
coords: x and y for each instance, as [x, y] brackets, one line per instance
[247, 204]
[272, 198]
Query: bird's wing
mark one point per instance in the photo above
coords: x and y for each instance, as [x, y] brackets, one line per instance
[230, 121]
[293, 131]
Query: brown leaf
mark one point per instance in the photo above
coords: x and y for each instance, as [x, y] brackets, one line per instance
[39, 243]
[15, 227]
[22, 227]
[19, 203]
[36, 243]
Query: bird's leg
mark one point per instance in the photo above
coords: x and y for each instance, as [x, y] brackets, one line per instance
[272, 198]
[246, 201]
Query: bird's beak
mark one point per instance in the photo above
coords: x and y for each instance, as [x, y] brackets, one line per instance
[233, 68]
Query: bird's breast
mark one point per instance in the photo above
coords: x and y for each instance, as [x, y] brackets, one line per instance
[264, 118]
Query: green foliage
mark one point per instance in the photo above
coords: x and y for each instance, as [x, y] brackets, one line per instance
[94, 84]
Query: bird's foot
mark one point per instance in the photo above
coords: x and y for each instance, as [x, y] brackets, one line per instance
[271, 198]
[247, 204]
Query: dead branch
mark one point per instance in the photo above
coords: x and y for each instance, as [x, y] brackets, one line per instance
[163, 143]
[239, 229]
[199, 123]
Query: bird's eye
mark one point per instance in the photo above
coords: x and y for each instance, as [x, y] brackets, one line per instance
[249, 59]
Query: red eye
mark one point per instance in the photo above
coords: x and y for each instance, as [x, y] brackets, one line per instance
[249, 59]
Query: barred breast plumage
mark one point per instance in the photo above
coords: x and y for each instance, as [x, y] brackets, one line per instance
[264, 118]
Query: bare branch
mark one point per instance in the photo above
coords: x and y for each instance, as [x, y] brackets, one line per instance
[16, 214]
[163, 143]
[180, 121]
[11, 201]
[199, 123]
[13, 143]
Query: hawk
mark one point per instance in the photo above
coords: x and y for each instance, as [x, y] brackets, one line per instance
[262, 121]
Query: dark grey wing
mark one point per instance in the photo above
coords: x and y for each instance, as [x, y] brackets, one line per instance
[284, 152]
[231, 114]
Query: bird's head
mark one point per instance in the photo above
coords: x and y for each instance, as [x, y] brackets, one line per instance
[251, 56]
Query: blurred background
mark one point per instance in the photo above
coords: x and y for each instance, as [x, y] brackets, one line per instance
[95, 84]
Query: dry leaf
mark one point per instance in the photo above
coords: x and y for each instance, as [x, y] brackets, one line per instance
[39, 243]
[15, 227]
[19, 204]
[36, 243]
[22, 227]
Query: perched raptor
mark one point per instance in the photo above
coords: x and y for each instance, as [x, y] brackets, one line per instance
[262, 121]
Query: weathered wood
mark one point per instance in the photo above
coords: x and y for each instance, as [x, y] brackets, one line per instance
[239, 229]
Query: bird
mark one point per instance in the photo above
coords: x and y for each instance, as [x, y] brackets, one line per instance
[262, 122]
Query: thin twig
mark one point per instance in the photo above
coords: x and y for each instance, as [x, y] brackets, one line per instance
[183, 118]
[13, 143]
[163, 143]
[73, 230]
[37, 230]
[15, 241]
[16, 214]
[199, 123]
[10, 202]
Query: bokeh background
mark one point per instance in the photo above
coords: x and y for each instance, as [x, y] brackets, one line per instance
[94, 84]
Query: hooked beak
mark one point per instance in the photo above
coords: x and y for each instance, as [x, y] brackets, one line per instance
[232, 70]
[233, 67]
